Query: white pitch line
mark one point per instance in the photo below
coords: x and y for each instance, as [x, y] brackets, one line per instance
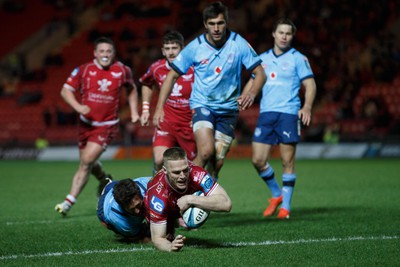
[222, 245]
[28, 222]
[69, 253]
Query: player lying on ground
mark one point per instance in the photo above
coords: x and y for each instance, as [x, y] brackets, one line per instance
[169, 195]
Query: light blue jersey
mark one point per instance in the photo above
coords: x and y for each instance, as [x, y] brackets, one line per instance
[284, 76]
[217, 83]
[122, 222]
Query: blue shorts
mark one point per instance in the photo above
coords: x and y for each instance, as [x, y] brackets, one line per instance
[276, 127]
[224, 123]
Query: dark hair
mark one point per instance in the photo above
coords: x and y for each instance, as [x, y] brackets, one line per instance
[173, 37]
[213, 10]
[124, 191]
[103, 39]
[284, 21]
[173, 153]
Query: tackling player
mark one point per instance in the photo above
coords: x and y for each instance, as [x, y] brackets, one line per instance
[169, 194]
[176, 129]
[281, 115]
[99, 83]
[217, 56]
[120, 208]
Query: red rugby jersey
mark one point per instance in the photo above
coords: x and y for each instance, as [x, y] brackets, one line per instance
[100, 89]
[160, 199]
[177, 108]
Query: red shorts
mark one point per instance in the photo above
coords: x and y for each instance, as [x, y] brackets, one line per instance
[102, 135]
[172, 135]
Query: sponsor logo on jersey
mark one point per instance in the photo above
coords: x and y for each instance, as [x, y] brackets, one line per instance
[218, 70]
[157, 204]
[104, 83]
[92, 73]
[116, 74]
[207, 183]
[273, 75]
[197, 176]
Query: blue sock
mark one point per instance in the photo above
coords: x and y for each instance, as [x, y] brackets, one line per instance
[269, 178]
[288, 181]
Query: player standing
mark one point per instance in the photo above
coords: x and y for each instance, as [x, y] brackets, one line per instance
[176, 129]
[99, 84]
[280, 113]
[169, 194]
[217, 56]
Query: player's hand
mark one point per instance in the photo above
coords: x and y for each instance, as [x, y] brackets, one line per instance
[305, 115]
[134, 117]
[144, 119]
[178, 243]
[158, 117]
[245, 101]
[83, 109]
[183, 203]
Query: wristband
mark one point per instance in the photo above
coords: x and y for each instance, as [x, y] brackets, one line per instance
[145, 106]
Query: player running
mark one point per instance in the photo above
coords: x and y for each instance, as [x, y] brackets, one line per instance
[176, 129]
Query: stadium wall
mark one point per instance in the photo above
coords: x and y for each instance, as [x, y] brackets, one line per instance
[304, 151]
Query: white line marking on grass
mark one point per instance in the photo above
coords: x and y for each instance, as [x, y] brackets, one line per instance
[305, 241]
[222, 245]
[28, 222]
[69, 253]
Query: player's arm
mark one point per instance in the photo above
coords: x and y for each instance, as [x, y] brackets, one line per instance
[147, 93]
[218, 200]
[133, 101]
[251, 90]
[160, 240]
[310, 93]
[70, 99]
[165, 90]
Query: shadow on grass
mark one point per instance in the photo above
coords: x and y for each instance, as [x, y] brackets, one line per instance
[299, 214]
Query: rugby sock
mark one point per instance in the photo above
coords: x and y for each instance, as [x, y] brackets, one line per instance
[69, 201]
[269, 178]
[288, 181]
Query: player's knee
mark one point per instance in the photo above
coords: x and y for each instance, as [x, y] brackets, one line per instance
[258, 163]
[202, 124]
[205, 154]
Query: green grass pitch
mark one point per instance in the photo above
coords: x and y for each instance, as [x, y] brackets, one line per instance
[344, 213]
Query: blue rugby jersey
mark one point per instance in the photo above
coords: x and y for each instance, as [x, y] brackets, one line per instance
[217, 83]
[284, 76]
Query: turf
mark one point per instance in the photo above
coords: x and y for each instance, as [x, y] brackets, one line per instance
[344, 213]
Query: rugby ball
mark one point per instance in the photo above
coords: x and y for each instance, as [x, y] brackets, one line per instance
[195, 217]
